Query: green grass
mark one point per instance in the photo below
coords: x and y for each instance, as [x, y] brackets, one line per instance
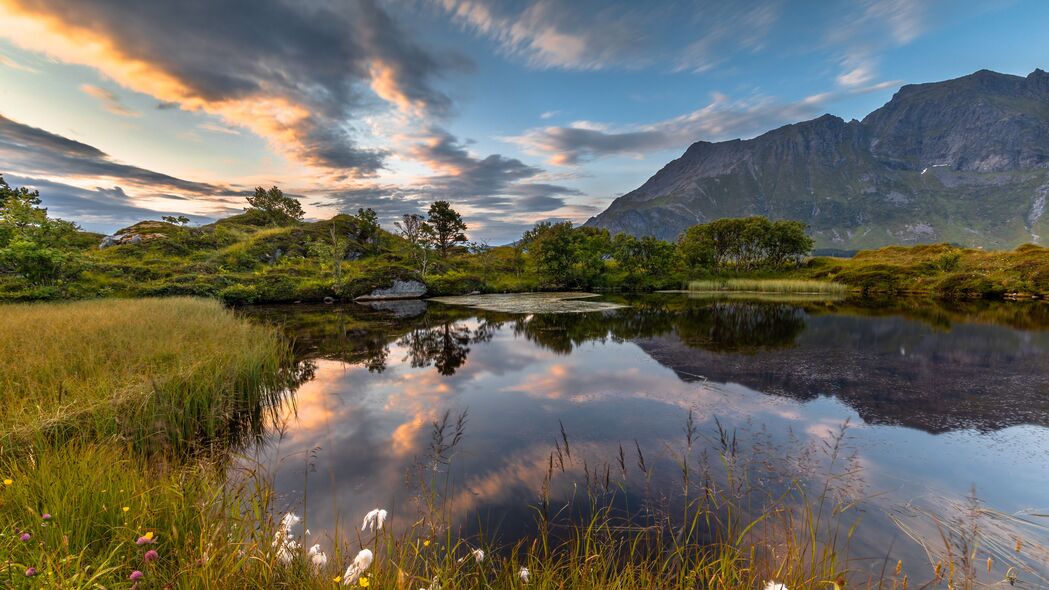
[939, 269]
[164, 372]
[785, 286]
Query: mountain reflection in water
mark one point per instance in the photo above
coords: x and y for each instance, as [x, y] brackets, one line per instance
[942, 397]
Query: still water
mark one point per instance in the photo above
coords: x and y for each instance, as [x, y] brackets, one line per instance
[932, 402]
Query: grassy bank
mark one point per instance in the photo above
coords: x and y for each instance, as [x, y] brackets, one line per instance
[167, 372]
[938, 269]
[118, 415]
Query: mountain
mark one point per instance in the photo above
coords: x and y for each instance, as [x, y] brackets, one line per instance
[963, 161]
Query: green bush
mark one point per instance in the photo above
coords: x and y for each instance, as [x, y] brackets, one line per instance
[454, 282]
[239, 294]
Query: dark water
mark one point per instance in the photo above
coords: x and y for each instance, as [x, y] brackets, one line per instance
[940, 400]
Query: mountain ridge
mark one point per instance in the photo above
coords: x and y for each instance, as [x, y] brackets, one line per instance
[963, 160]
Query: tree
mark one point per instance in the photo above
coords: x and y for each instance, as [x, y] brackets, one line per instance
[787, 242]
[33, 245]
[366, 230]
[550, 246]
[446, 227]
[414, 229]
[695, 248]
[272, 203]
[179, 220]
[644, 259]
[745, 243]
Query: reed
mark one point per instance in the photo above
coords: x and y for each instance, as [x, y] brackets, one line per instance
[161, 372]
[787, 286]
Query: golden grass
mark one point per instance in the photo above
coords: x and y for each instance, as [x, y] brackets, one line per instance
[790, 286]
[123, 366]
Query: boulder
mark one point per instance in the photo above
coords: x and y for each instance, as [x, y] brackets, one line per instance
[399, 308]
[121, 239]
[399, 290]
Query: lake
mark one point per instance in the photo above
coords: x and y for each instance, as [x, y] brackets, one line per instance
[916, 418]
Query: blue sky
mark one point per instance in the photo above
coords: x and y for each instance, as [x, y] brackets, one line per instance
[514, 111]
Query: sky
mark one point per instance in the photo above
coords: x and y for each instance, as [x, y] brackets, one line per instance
[514, 111]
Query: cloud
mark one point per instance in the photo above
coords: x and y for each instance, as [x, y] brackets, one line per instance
[499, 196]
[7, 62]
[595, 34]
[296, 73]
[110, 101]
[723, 118]
[549, 114]
[99, 209]
[493, 182]
[215, 128]
[29, 150]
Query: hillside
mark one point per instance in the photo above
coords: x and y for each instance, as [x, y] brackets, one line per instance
[964, 161]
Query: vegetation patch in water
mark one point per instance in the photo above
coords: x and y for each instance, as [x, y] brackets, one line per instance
[786, 286]
[531, 302]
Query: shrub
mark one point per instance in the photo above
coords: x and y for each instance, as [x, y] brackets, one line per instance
[239, 294]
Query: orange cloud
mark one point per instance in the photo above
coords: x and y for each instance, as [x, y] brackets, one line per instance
[287, 125]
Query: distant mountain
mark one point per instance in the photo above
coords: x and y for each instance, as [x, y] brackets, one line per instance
[963, 161]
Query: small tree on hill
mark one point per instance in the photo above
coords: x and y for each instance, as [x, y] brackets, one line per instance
[446, 227]
[180, 220]
[415, 230]
[366, 230]
[278, 208]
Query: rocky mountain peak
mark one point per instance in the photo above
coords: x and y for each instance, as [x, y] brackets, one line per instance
[962, 160]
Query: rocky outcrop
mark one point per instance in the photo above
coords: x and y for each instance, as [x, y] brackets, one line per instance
[957, 161]
[398, 290]
[122, 239]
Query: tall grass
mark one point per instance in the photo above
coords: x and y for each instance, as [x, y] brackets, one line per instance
[168, 372]
[789, 286]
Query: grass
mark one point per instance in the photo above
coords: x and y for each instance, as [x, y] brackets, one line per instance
[941, 270]
[154, 371]
[785, 286]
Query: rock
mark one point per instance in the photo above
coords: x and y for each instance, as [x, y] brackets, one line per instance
[399, 290]
[121, 239]
[400, 308]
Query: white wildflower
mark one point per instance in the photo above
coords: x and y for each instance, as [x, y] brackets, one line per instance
[374, 520]
[478, 554]
[283, 539]
[524, 574]
[775, 586]
[318, 557]
[360, 564]
[290, 519]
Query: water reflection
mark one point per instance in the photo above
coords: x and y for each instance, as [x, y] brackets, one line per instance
[942, 397]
